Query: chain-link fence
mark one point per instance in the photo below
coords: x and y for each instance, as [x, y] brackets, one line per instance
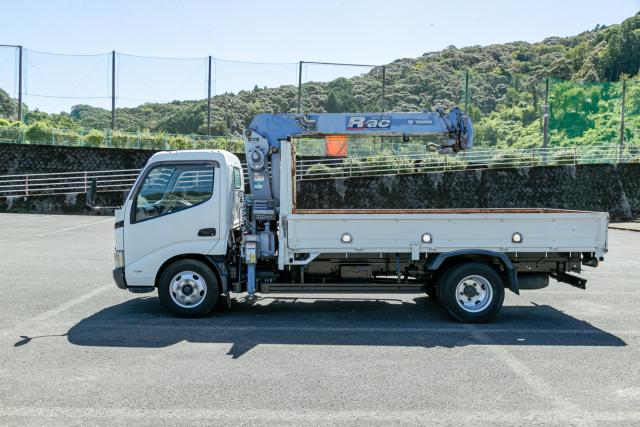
[121, 100]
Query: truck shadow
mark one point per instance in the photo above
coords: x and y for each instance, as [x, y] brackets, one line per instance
[142, 322]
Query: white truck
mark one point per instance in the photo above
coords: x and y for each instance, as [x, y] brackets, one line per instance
[188, 229]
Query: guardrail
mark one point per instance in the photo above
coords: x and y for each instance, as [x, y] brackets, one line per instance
[392, 164]
[56, 183]
[38, 184]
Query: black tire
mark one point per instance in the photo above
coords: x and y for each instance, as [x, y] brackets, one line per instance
[203, 274]
[476, 311]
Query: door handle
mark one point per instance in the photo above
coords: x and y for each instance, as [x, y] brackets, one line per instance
[204, 232]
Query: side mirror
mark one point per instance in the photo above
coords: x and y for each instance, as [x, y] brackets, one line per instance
[90, 195]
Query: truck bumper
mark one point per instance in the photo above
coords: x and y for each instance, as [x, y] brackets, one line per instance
[121, 282]
[118, 277]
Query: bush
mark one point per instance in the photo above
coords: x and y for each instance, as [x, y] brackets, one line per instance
[151, 141]
[39, 133]
[435, 162]
[320, 170]
[510, 159]
[121, 139]
[67, 137]
[94, 138]
[353, 166]
[563, 157]
[180, 142]
[11, 133]
[386, 162]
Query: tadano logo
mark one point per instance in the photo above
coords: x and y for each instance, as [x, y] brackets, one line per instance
[368, 123]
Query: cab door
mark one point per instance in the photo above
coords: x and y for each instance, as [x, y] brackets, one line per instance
[173, 210]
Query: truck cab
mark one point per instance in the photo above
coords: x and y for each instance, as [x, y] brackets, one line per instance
[184, 204]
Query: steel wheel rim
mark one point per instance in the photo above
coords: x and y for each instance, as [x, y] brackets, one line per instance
[188, 289]
[474, 293]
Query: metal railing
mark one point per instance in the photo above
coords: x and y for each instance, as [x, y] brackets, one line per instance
[59, 183]
[393, 164]
[39, 184]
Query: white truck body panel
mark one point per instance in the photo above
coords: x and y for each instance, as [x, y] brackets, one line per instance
[399, 233]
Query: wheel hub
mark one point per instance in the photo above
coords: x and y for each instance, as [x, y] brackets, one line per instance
[470, 291]
[474, 293]
[188, 289]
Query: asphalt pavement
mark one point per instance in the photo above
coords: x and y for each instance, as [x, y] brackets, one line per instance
[77, 350]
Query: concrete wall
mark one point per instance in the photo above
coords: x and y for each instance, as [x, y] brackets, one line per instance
[25, 158]
[608, 188]
[611, 188]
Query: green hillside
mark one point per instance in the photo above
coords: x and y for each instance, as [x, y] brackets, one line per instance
[506, 93]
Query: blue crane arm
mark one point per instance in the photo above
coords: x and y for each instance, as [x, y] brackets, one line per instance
[454, 126]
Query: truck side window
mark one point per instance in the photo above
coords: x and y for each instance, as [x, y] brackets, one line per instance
[171, 188]
[237, 179]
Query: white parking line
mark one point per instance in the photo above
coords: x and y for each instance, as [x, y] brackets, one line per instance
[74, 227]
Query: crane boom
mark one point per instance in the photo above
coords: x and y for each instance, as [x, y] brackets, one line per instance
[454, 126]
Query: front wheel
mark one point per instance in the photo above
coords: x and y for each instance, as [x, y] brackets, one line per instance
[472, 292]
[188, 288]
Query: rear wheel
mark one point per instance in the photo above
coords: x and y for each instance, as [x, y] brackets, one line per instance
[188, 288]
[472, 292]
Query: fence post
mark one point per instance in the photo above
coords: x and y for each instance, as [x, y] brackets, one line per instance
[26, 185]
[624, 92]
[209, 100]
[113, 89]
[85, 181]
[545, 136]
[300, 86]
[384, 85]
[19, 83]
[466, 92]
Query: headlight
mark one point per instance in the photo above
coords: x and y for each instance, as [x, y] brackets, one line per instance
[118, 257]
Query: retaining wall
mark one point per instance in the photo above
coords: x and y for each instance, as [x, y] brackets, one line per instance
[611, 188]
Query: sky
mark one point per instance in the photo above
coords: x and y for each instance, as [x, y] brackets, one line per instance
[270, 31]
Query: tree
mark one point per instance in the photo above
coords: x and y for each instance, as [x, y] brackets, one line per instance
[8, 107]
